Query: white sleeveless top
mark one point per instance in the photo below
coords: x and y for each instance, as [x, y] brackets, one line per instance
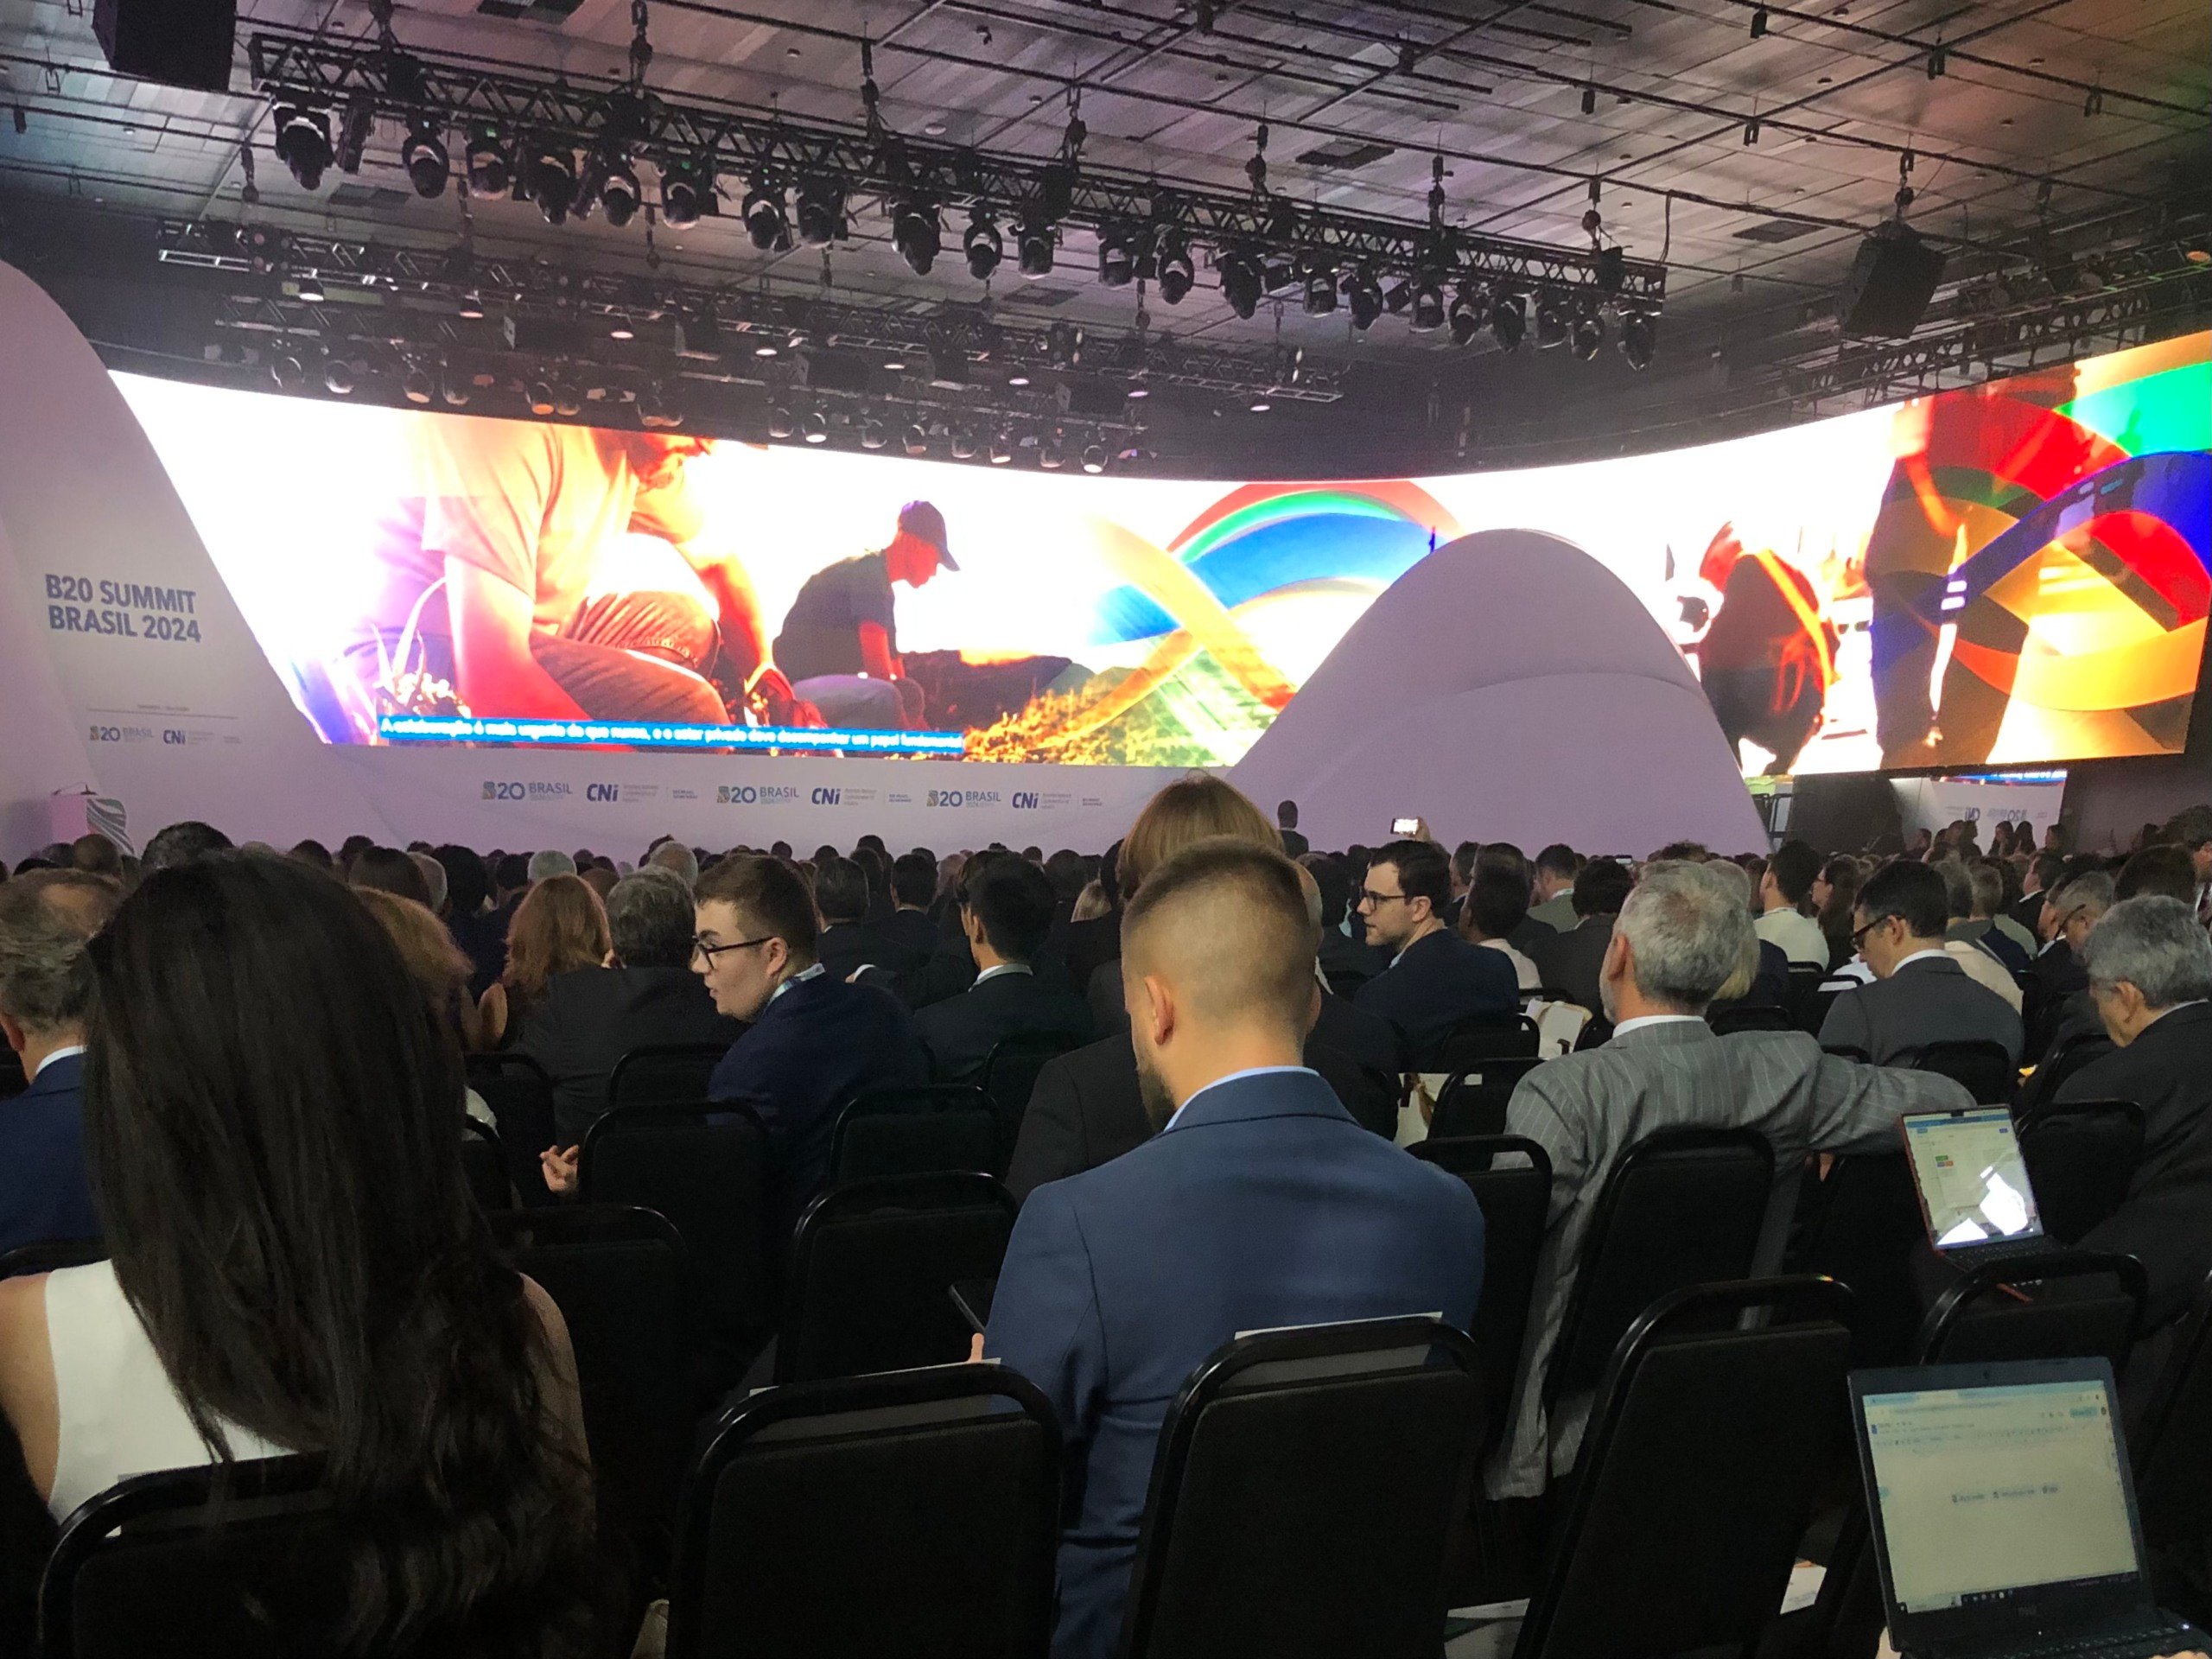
[119, 1414]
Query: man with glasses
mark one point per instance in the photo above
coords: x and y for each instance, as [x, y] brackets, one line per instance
[1435, 978]
[1921, 993]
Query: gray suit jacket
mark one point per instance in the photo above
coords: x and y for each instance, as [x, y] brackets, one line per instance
[1924, 1002]
[1556, 913]
[1587, 1109]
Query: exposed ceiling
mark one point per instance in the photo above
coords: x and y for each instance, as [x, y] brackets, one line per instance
[1747, 148]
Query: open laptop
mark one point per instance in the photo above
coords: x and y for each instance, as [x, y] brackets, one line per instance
[2003, 1515]
[1974, 1187]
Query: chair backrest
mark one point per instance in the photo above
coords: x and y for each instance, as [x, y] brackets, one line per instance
[2069, 1055]
[2061, 1305]
[484, 1165]
[1474, 1101]
[1727, 1021]
[1682, 1207]
[1306, 1495]
[914, 1132]
[872, 1270]
[1477, 1038]
[161, 1567]
[1516, 1202]
[1710, 1438]
[666, 1074]
[1862, 1225]
[2173, 1441]
[51, 1253]
[619, 1276]
[1813, 1007]
[2080, 1157]
[1805, 979]
[1983, 1067]
[914, 1512]
[520, 1095]
[1009, 1077]
[705, 1169]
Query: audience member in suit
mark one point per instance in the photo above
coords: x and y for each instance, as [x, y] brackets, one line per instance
[1762, 979]
[1920, 995]
[1496, 904]
[847, 942]
[1293, 844]
[1435, 979]
[1007, 910]
[2063, 982]
[1977, 946]
[1556, 867]
[908, 930]
[1680, 936]
[1347, 962]
[1570, 963]
[646, 994]
[2150, 966]
[2044, 871]
[1527, 933]
[1784, 892]
[2166, 870]
[45, 919]
[1259, 1204]
[1989, 907]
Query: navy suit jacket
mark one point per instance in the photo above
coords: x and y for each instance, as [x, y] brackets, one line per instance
[816, 1046]
[1436, 983]
[1263, 1204]
[44, 1191]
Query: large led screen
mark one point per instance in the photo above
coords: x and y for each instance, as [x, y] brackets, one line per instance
[2011, 574]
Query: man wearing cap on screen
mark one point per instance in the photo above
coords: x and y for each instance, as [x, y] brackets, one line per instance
[840, 643]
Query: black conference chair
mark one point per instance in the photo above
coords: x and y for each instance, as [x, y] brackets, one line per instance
[1710, 1439]
[2064, 1305]
[49, 1253]
[1728, 1021]
[484, 1167]
[914, 1131]
[1306, 1495]
[1813, 1009]
[916, 1512]
[665, 1074]
[705, 1169]
[1009, 1077]
[520, 1095]
[1984, 1068]
[1479, 1037]
[1805, 979]
[619, 1276]
[2064, 1059]
[1371, 1096]
[1683, 1207]
[2172, 1442]
[195, 1562]
[1473, 1102]
[2081, 1156]
[1515, 1203]
[872, 1270]
[1861, 1226]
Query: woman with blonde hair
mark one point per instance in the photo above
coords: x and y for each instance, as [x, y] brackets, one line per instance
[559, 927]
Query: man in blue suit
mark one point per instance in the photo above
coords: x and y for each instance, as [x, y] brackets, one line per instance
[45, 919]
[1435, 978]
[1261, 1204]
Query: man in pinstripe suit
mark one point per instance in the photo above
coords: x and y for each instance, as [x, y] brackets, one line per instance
[1680, 935]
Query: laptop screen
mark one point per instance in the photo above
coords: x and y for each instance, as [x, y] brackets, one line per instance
[1972, 1182]
[1990, 1493]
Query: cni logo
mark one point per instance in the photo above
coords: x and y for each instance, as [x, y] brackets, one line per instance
[825, 797]
[1024, 800]
[602, 791]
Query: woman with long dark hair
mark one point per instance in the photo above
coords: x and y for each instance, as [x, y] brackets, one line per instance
[1835, 892]
[271, 1121]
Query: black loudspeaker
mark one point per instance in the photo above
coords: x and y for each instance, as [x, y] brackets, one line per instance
[1891, 282]
[177, 42]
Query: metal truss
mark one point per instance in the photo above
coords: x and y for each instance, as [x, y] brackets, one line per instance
[737, 143]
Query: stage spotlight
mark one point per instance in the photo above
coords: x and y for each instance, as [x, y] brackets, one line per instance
[550, 179]
[307, 290]
[917, 440]
[963, 444]
[1469, 307]
[1050, 455]
[453, 390]
[1001, 448]
[1587, 335]
[567, 403]
[821, 212]
[338, 376]
[1551, 323]
[655, 412]
[1508, 321]
[418, 386]
[1639, 339]
[619, 194]
[1094, 458]
[782, 424]
[813, 428]
[288, 371]
[1034, 246]
[1427, 311]
[486, 158]
[916, 235]
[1365, 295]
[1117, 257]
[1321, 291]
[983, 245]
[1176, 270]
[302, 143]
[423, 153]
[540, 398]
[872, 436]
[685, 190]
[1260, 405]
[765, 221]
[1240, 283]
[1063, 344]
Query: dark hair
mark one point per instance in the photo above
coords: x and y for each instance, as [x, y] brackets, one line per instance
[840, 889]
[45, 919]
[1601, 887]
[512, 870]
[1558, 859]
[1334, 879]
[180, 843]
[468, 884]
[1070, 873]
[1842, 874]
[1109, 876]
[779, 849]
[1423, 871]
[1915, 893]
[1498, 902]
[913, 880]
[391, 871]
[872, 843]
[1286, 814]
[272, 1121]
[2190, 828]
[1268, 965]
[1504, 855]
[769, 893]
[96, 855]
[1013, 900]
[1463, 860]
[2165, 870]
[1695, 852]
[1794, 866]
[312, 854]
[822, 854]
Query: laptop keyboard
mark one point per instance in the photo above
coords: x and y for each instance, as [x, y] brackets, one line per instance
[2007, 1249]
[2178, 1639]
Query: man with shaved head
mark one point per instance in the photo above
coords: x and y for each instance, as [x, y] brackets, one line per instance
[1259, 1204]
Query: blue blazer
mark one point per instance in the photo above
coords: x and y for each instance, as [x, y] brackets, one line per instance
[1263, 1204]
[1436, 983]
[800, 1063]
[44, 1191]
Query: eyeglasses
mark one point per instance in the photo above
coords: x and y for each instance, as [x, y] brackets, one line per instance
[1859, 934]
[1369, 897]
[700, 948]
